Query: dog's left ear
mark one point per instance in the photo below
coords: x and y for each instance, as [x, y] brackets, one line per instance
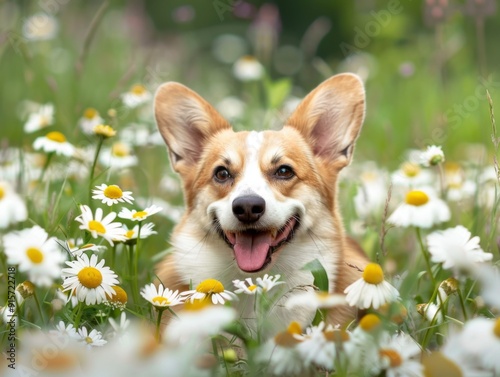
[331, 116]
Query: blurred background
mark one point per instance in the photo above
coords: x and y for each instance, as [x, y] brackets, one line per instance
[426, 66]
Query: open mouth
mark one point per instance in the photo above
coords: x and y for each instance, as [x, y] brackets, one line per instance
[253, 248]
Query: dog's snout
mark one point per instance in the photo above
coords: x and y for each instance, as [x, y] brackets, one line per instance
[249, 208]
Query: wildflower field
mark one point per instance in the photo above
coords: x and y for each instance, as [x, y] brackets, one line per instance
[88, 199]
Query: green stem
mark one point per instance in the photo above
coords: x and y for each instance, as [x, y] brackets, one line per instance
[79, 313]
[462, 304]
[39, 307]
[113, 257]
[131, 269]
[45, 167]
[158, 325]
[94, 163]
[136, 256]
[426, 257]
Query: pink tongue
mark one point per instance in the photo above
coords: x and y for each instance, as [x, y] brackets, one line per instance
[251, 250]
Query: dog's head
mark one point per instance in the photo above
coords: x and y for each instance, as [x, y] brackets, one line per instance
[254, 193]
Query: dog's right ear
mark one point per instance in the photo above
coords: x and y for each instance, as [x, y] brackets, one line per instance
[185, 121]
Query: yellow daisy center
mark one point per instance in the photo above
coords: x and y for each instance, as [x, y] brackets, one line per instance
[369, 322]
[113, 192]
[210, 286]
[138, 90]
[129, 233]
[455, 185]
[34, 255]
[393, 356]
[373, 274]
[410, 170]
[196, 305]
[90, 113]
[139, 214]
[252, 288]
[97, 226]
[104, 130]
[120, 295]
[368, 176]
[89, 340]
[160, 300]
[294, 328]
[119, 150]
[286, 338]
[337, 336]
[496, 328]
[452, 167]
[90, 277]
[2, 193]
[56, 136]
[416, 198]
[44, 120]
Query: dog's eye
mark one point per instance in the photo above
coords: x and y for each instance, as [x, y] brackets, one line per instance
[284, 172]
[221, 174]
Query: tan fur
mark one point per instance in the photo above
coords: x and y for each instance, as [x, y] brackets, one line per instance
[317, 141]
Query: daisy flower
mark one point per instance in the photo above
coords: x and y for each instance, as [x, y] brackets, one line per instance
[281, 355]
[39, 119]
[146, 231]
[77, 247]
[118, 300]
[411, 175]
[89, 120]
[136, 96]
[65, 330]
[399, 356]
[372, 193]
[455, 249]
[119, 156]
[267, 282]
[99, 226]
[111, 194]
[371, 290]
[248, 68]
[264, 284]
[122, 326]
[104, 131]
[231, 108]
[477, 346]
[318, 346]
[92, 339]
[54, 142]
[315, 300]
[489, 278]
[432, 156]
[91, 281]
[40, 27]
[12, 206]
[431, 312]
[196, 322]
[135, 215]
[35, 253]
[161, 297]
[246, 286]
[210, 289]
[421, 208]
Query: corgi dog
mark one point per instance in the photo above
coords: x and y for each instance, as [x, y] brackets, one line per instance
[263, 202]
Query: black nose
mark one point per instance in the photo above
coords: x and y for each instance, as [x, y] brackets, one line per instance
[249, 208]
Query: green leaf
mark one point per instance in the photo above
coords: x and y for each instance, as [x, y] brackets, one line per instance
[319, 274]
[277, 91]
